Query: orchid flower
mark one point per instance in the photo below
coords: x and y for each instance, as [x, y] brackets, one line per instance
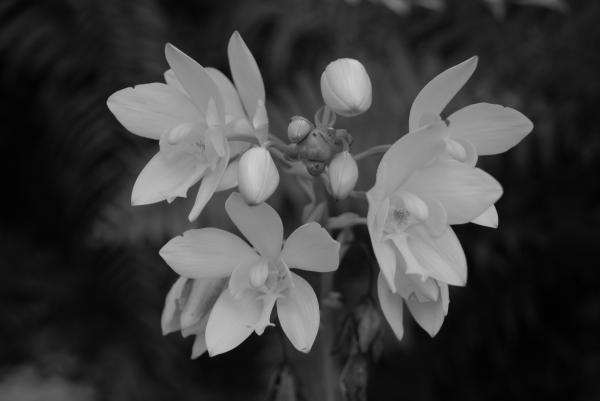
[192, 116]
[415, 198]
[478, 129]
[259, 275]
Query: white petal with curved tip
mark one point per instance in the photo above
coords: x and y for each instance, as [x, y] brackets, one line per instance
[429, 315]
[260, 224]
[165, 178]
[171, 80]
[391, 306]
[465, 192]
[246, 75]
[231, 100]
[491, 128]
[409, 153]
[444, 246]
[170, 318]
[149, 110]
[209, 185]
[310, 247]
[194, 79]
[206, 252]
[199, 347]
[203, 295]
[298, 312]
[386, 258]
[229, 179]
[489, 218]
[424, 261]
[434, 97]
[231, 321]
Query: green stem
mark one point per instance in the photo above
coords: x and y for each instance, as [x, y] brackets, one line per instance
[372, 151]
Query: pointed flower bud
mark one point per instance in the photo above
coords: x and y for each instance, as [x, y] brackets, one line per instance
[346, 87]
[343, 174]
[257, 175]
[299, 128]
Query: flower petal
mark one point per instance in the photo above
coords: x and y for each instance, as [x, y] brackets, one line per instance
[194, 79]
[231, 100]
[409, 153]
[171, 80]
[209, 185]
[260, 224]
[489, 218]
[445, 246]
[491, 128]
[230, 177]
[387, 260]
[199, 347]
[166, 177]
[423, 260]
[206, 252]
[170, 318]
[202, 297]
[231, 321]
[149, 110]
[298, 313]
[437, 221]
[246, 75]
[430, 315]
[465, 192]
[391, 306]
[310, 247]
[434, 97]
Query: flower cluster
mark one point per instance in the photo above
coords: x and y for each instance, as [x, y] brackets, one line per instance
[428, 181]
[214, 131]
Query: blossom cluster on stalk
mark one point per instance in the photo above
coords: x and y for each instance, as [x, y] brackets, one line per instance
[215, 131]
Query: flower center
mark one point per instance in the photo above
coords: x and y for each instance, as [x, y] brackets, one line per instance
[405, 210]
[270, 280]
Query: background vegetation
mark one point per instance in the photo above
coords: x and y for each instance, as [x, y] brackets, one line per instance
[81, 283]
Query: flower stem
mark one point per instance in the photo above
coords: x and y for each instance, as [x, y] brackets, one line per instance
[372, 151]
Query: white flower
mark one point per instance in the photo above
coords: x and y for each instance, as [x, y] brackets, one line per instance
[192, 116]
[415, 197]
[478, 129]
[260, 275]
[258, 177]
[346, 87]
[343, 174]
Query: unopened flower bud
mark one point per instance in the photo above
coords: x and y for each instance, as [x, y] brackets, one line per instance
[346, 87]
[343, 174]
[257, 175]
[299, 128]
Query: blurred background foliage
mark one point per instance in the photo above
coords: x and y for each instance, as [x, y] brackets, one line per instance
[81, 283]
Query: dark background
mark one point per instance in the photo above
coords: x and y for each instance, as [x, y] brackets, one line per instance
[81, 282]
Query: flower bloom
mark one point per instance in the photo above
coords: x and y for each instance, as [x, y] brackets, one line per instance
[192, 116]
[416, 196]
[474, 130]
[259, 275]
[346, 87]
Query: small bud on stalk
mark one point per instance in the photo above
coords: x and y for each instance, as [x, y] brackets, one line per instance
[343, 174]
[257, 175]
[346, 87]
[299, 128]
